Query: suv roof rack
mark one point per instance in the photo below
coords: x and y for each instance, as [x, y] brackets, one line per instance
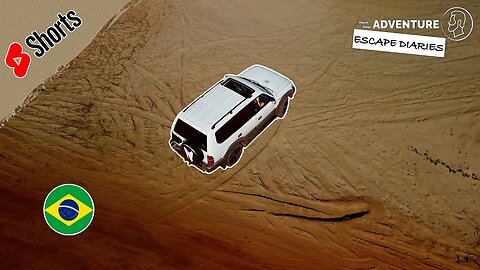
[229, 112]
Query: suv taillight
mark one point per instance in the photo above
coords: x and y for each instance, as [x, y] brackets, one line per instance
[210, 160]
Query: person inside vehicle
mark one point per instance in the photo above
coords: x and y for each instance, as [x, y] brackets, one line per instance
[260, 102]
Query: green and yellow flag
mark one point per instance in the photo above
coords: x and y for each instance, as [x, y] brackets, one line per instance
[68, 209]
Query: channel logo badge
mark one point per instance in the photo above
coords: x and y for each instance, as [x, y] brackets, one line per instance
[68, 209]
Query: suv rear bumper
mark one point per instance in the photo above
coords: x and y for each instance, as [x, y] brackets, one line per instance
[202, 166]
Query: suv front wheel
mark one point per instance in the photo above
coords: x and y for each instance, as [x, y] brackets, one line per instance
[284, 107]
[235, 155]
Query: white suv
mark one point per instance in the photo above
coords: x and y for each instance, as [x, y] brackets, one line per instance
[212, 131]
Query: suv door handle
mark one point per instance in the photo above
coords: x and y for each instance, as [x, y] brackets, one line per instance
[239, 135]
[260, 117]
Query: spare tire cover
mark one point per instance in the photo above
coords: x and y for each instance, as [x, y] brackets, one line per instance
[197, 153]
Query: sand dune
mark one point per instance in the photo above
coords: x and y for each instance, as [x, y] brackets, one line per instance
[373, 167]
[20, 18]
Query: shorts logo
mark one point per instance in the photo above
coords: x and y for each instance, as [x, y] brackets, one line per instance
[68, 209]
[18, 60]
[41, 42]
[457, 23]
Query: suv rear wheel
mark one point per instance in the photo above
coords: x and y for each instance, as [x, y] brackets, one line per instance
[235, 155]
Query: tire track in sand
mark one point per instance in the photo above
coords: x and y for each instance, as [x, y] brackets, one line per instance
[203, 188]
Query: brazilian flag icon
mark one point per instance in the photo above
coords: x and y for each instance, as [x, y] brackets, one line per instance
[68, 209]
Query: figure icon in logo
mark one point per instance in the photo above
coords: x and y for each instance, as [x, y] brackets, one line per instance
[457, 23]
[460, 23]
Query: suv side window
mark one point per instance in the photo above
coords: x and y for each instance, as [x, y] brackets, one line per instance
[236, 122]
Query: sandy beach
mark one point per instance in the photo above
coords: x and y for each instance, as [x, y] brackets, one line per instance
[375, 166]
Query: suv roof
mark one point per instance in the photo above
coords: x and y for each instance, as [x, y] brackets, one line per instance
[212, 106]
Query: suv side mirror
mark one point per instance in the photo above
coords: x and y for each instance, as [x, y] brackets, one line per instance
[264, 98]
[270, 99]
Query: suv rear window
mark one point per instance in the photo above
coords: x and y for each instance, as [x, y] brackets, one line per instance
[193, 137]
[238, 87]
